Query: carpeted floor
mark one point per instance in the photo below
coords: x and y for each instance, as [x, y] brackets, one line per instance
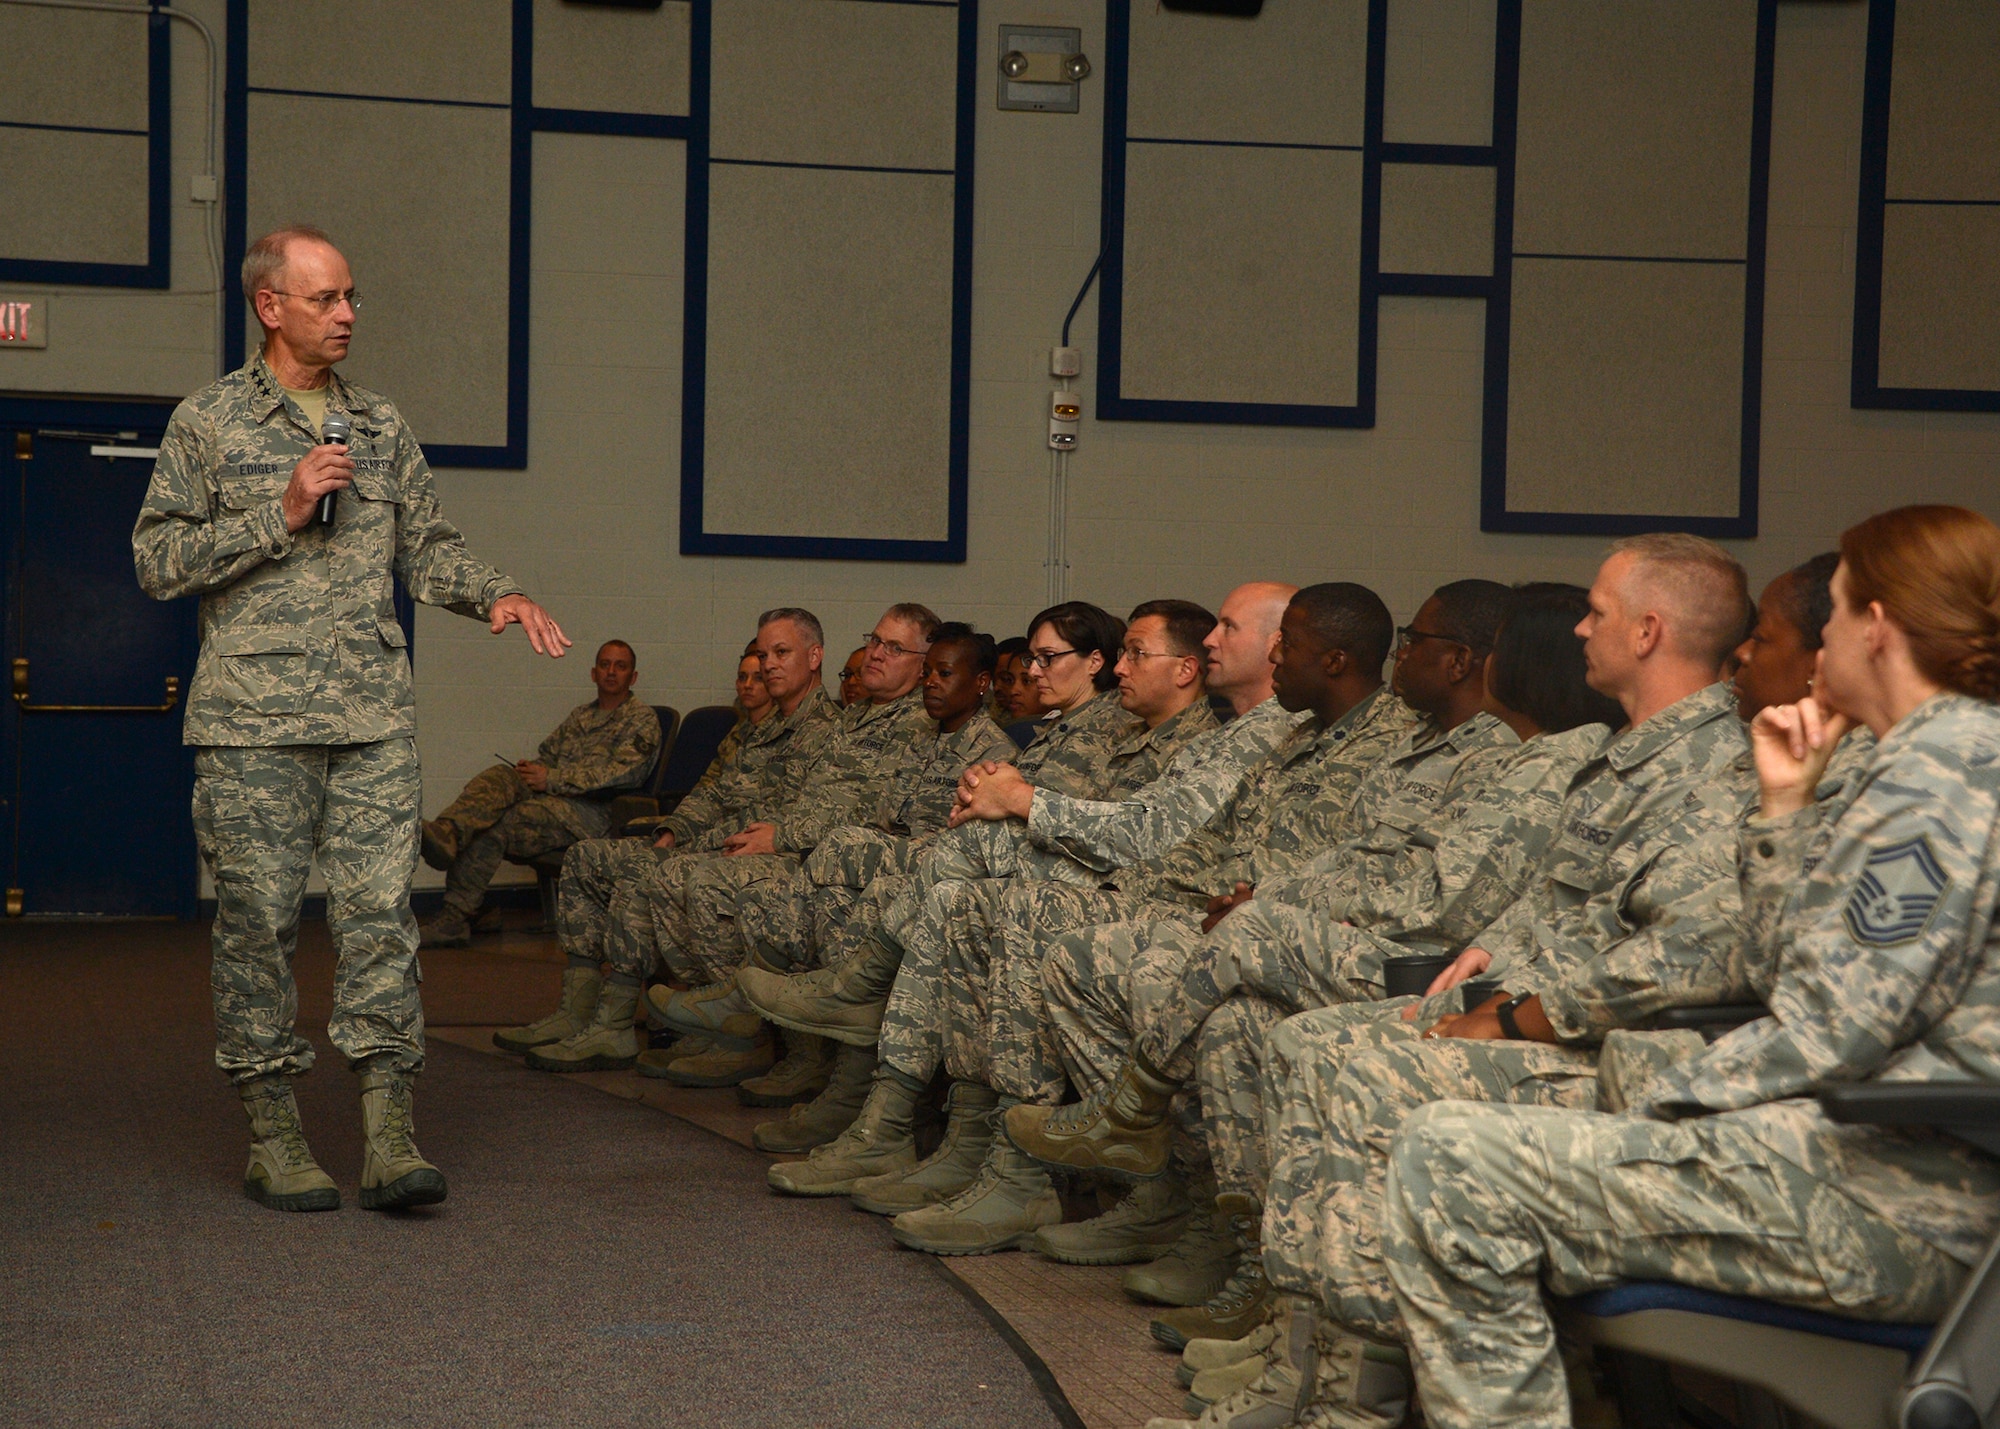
[597, 1263]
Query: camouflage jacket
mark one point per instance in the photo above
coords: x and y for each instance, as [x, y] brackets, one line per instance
[1635, 906]
[1436, 882]
[299, 639]
[1207, 773]
[596, 750]
[1888, 969]
[1299, 802]
[868, 744]
[1069, 754]
[1143, 755]
[774, 763]
[920, 796]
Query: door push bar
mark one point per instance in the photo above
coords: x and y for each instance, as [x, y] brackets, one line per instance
[173, 697]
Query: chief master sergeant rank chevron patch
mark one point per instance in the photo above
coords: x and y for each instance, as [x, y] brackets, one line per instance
[1898, 892]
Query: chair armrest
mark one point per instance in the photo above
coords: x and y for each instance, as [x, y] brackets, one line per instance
[1948, 1105]
[1711, 1021]
[627, 807]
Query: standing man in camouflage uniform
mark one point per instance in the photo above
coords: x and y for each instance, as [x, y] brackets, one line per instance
[540, 805]
[302, 709]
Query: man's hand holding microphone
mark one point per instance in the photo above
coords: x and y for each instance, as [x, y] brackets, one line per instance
[319, 476]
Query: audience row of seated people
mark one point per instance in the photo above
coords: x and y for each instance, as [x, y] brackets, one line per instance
[1156, 949]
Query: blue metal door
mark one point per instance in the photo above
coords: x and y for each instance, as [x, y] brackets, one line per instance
[96, 782]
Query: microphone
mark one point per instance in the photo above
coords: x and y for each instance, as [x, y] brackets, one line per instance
[336, 428]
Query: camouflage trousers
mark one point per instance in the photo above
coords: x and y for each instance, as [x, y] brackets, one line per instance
[997, 849]
[1097, 982]
[1337, 1090]
[1284, 954]
[995, 933]
[600, 913]
[496, 817]
[912, 1037]
[788, 924]
[260, 815]
[694, 911]
[1484, 1206]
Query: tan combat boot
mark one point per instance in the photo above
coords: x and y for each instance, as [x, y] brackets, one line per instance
[580, 987]
[723, 1065]
[880, 1140]
[1139, 1228]
[1005, 1205]
[1236, 1308]
[282, 1173]
[608, 1044]
[968, 1136]
[393, 1174]
[1276, 1396]
[800, 1075]
[1357, 1383]
[1122, 1132]
[818, 1121]
[843, 1001]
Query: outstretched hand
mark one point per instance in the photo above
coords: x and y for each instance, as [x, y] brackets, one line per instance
[543, 633]
[1792, 744]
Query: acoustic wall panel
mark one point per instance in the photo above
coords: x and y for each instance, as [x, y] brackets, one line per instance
[428, 249]
[1940, 298]
[1927, 249]
[844, 82]
[439, 51]
[422, 180]
[1624, 337]
[1296, 76]
[1437, 218]
[84, 146]
[1633, 129]
[1625, 388]
[607, 60]
[826, 415]
[1437, 85]
[827, 337]
[1217, 287]
[1240, 228]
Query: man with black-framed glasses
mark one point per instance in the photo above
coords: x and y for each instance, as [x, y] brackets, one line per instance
[302, 708]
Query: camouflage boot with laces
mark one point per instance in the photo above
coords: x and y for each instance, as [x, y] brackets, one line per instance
[282, 1173]
[394, 1175]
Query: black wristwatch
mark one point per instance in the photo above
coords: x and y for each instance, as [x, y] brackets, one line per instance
[1505, 1012]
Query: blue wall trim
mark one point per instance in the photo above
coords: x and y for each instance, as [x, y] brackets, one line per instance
[1866, 389]
[694, 540]
[512, 454]
[597, 121]
[1471, 155]
[1493, 512]
[1112, 404]
[157, 270]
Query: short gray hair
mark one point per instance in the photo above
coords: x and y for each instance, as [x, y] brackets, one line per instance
[267, 256]
[922, 616]
[1698, 586]
[806, 621]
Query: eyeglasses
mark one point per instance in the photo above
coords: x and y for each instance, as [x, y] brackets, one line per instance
[323, 302]
[1042, 659]
[1128, 653]
[1408, 635]
[876, 642]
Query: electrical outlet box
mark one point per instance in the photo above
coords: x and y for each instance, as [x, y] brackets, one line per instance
[1065, 362]
[1065, 411]
[201, 188]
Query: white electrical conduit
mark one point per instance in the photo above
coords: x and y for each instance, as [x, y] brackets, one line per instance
[210, 239]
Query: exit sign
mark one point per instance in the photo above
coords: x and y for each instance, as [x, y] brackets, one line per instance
[24, 322]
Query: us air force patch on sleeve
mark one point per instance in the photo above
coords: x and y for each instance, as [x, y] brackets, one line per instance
[1898, 892]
